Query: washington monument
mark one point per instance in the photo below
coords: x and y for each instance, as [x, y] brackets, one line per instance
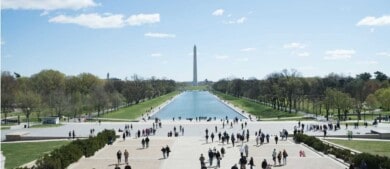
[195, 80]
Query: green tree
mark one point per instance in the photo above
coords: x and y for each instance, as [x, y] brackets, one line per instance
[28, 101]
[8, 93]
[383, 96]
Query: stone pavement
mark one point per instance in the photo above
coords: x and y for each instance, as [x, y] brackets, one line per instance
[186, 152]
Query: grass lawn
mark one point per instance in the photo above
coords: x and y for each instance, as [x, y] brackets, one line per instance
[254, 108]
[45, 125]
[374, 147]
[17, 154]
[134, 111]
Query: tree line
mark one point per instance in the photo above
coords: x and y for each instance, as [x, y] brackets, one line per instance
[289, 91]
[53, 93]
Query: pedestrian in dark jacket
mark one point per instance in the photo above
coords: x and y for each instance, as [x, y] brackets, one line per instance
[264, 164]
[251, 163]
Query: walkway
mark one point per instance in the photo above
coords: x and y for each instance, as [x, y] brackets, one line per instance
[186, 151]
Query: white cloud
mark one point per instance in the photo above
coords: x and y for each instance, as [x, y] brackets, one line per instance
[107, 20]
[47, 4]
[140, 19]
[236, 21]
[159, 35]
[241, 20]
[367, 62]
[44, 13]
[93, 20]
[383, 54]
[303, 54]
[294, 45]
[248, 49]
[339, 54]
[374, 21]
[218, 12]
[156, 54]
[221, 57]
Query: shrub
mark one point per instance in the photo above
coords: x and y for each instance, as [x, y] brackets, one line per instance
[64, 156]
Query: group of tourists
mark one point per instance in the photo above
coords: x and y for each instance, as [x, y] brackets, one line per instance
[165, 150]
[145, 142]
[72, 135]
[279, 156]
[214, 156]
[119, 157]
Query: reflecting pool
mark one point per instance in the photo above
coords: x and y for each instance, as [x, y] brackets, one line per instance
[192, 104]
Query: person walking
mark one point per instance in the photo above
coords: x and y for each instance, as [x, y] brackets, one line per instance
[251, 163]
[212, 137]
[201, 159]
[207, 138]
[234, 166]
[126, 154]
[211, 155]
[274, 156]
[223, 151]
[143, 143]
[119, 156]
[147, 142]
[243, 162]
[242, 151]
[280, 158]
[127, 166]
[285, 157]
[276, 139]
[163, 150]
[218, 157]
[246, 147]
[168, 150]
[124, 136]
[264, 164]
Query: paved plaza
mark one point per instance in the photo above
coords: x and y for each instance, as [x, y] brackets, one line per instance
[186, 152]
[186, 149]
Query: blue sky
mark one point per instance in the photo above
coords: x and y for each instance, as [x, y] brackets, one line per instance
[234, 38]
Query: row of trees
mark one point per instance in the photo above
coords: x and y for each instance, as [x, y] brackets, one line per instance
[289, 91]
[51, 92]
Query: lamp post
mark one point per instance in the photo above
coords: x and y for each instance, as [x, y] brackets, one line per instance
[28, 115]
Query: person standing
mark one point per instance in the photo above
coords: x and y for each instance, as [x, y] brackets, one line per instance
[207, 138]
[119, 156]
[73, 134]
[126, 154]
[274, 156]
[124, 136]
[251, 163]
[212, 137]
[285, 157]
